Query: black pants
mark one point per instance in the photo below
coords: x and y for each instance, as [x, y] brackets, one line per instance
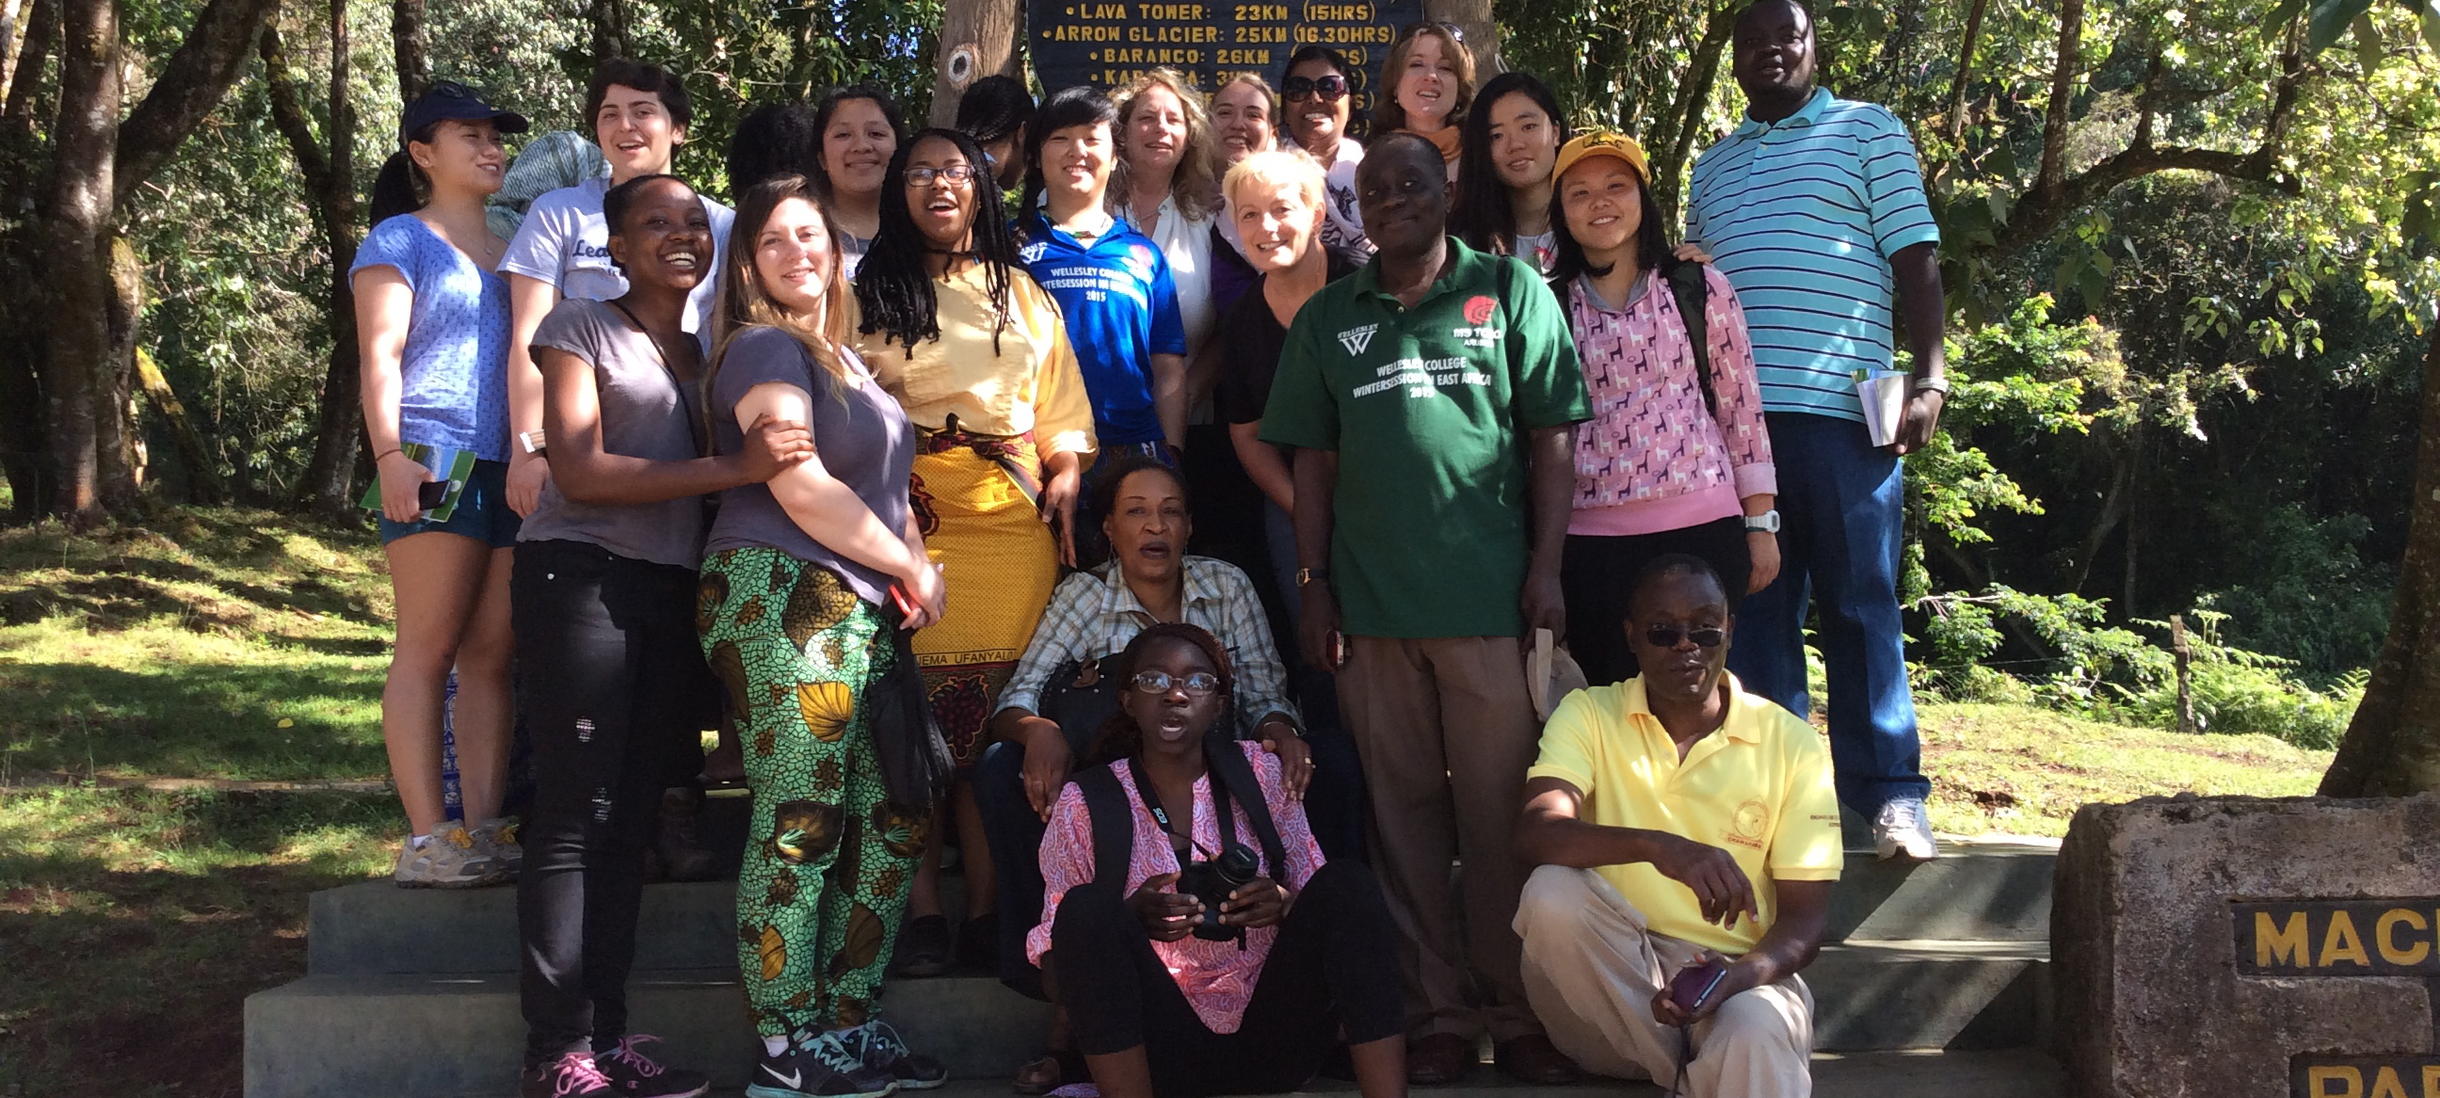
[1597, 575]
[1334, 807]
[1334, 963]
[612, 687]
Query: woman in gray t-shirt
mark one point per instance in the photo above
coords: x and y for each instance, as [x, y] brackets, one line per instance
[807, 581]
[602, 602]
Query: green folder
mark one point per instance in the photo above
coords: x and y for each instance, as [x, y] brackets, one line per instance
[453, 467]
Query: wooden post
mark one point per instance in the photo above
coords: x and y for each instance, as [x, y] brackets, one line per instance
[2185, 674]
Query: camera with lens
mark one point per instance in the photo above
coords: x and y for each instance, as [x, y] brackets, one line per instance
[1212, 882]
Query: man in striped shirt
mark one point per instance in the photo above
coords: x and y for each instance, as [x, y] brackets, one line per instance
[1814, 209]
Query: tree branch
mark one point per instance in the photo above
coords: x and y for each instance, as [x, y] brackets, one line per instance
[288, 114]
[190, 85]
[407, 44]
[2043, 209]
[25, 80]
[1687, 109]
[2048, 182]
[1965, 69]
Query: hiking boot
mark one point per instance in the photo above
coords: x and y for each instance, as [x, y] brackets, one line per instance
[679, 847]
[449, 859]
[819, 1068]
[497, 837]
[639, 1076]
[1903, 829]
[877, 1044]
[571, 1076]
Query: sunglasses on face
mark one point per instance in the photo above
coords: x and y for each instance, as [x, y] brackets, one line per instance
[1668, 636]
[954, 173]
[1330, 88]
[1198, 684]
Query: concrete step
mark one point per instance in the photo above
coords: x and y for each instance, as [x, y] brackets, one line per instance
[414, 1035]
[1978, 891]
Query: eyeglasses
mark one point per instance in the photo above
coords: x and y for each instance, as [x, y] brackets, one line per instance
[954, 173]
[1198, 684]
[1668, 636]
[1330, 88]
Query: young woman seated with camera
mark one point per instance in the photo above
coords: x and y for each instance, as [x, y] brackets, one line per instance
[1190, 926]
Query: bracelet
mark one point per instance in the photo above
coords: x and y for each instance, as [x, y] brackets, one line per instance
[385, 453]
[1938, 384]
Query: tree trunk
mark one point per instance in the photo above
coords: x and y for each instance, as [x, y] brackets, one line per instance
[1686, 113]
[609, 20]
[24, 449]
[2392, 747]
[189, 85]
[118, 445]
[85, 144]
[202, 465]
[407, 44]
[978, 38]
[331, 182]
[1473, 17]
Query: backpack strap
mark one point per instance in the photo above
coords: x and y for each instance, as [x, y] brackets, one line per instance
[1113, 824]
[1693, 291]
[1232, 772]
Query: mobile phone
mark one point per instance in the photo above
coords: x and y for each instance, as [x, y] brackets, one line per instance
[906, 603]
[1693, 984]
[1338, 649]
[431, 494]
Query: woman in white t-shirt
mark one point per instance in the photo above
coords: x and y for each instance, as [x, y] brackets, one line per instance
[1167, 185]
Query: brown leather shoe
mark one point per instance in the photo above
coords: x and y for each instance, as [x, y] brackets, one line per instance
[1533, 1059]
[1438, 1059]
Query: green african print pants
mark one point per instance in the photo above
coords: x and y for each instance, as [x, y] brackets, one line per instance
[829, 858]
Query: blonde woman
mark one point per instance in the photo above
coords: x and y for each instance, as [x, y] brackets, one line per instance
[1430, 77]
[806, 581]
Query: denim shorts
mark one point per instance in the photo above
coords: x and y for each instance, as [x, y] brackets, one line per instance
[482, 511]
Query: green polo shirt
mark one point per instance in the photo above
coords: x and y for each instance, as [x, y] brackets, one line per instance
[1428, 408]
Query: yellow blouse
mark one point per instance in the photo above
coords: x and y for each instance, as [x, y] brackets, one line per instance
[1032, 385]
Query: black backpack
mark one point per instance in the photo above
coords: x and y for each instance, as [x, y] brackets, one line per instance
[1113, 819]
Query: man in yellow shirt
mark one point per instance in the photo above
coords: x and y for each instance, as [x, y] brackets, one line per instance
[1675, 819]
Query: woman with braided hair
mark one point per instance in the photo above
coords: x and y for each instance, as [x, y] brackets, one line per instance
[977, 354]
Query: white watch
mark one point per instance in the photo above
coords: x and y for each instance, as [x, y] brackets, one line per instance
[1764, 523]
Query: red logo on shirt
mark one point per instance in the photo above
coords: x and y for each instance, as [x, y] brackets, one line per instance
[1479, 309]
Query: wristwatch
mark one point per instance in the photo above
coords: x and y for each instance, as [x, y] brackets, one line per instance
[531, 442]
[1764, 523]
[1938, 385]
[1306, 576]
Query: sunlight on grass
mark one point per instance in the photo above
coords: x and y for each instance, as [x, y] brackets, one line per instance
[2025, 771]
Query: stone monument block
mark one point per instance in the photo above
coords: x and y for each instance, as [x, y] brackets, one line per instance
[2250, 948]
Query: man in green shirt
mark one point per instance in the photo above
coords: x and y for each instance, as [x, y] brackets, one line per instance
[1432, 398]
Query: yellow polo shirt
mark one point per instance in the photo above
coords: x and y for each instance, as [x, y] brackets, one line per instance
[1759, 788]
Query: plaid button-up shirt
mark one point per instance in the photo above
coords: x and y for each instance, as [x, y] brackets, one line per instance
[1093, 615]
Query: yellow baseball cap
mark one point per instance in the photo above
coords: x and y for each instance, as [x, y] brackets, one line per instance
[1602, 143]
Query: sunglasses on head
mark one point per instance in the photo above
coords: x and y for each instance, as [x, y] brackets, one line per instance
[1456, 33]
[1330, 88]
[1198, 684]
[1668, 636]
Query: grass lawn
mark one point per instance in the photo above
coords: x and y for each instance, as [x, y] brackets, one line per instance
[246, 646]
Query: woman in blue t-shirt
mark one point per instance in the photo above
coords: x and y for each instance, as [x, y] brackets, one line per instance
[432, 327]
[1112, 284]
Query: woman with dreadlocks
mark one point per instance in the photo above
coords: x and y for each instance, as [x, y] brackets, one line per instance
[977, 354]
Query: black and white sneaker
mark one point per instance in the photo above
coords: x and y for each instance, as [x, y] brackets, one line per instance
[818, 1068]
[639, 1076]
[879, 1046]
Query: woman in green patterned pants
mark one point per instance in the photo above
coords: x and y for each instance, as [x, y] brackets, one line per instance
[803, 582]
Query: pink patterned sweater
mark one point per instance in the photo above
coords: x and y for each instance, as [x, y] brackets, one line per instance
[1217, 977]
[1651, 459]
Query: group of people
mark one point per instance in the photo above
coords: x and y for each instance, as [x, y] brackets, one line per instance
[1182, 502]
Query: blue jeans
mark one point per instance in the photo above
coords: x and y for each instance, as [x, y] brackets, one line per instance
[1841, 501]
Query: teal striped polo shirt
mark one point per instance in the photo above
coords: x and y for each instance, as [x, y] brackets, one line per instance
[1802, 215]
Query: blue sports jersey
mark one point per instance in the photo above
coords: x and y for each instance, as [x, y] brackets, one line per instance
[1121, 309]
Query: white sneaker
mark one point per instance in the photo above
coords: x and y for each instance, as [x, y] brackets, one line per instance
[1902, 827]
[449, 859]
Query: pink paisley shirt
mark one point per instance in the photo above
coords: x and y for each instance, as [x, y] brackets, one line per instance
[1651, 459]
[1217, 977]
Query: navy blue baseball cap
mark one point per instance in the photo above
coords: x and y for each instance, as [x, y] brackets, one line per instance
[447, 101]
